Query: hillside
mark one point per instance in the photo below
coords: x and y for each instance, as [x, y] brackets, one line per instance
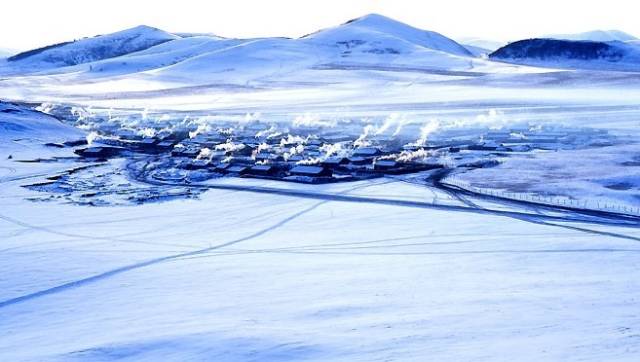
[372, 40]
[595, 35]
[18, 121]
[377, 34]
[571, 54]
[90, 49]
[5, 52]
[158, 56]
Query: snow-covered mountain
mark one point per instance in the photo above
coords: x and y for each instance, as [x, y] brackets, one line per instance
[477, 51]
[159, 56]
[90, 49]
[369, 41]
[241, 61]
[479, 46]
[372, 40]
[378, 34]
[614, 55]
[5, 52]
[595, 35]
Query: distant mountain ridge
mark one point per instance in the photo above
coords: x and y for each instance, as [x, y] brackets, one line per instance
[595, 35]
[371, 40]
[614, 55]
[5, 52]
[93, 49]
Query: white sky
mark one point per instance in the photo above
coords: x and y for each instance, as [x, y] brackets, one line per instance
[27, 24]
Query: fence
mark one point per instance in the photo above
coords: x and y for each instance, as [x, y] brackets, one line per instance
[561, 201]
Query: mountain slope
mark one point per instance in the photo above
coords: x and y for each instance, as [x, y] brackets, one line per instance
[162, 55]
[375, 33]
[372, 42]
[489, 45]
[90, 49]
[17, 121]
[244, 62]
[595, 35]
[369, 41]
[614, 55]
[5, 53]
[477, 51]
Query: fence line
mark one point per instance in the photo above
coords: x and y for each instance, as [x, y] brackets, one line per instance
[587, 204]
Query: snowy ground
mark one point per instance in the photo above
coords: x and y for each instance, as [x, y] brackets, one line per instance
[603, 176]
[237, 276]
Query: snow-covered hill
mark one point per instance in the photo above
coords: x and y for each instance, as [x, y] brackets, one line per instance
[595, 35]
[17, 121]
[378, 34]
[615, 55]
[5, 53]
[89, 50]
[159, 56]
[480, 46]
[243, 61]
[372, 40]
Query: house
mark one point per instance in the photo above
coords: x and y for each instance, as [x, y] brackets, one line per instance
[382, 165]
[165, 145]
[482, 147]
[311, 171]
[147, 142]
[266, 156]
[76, 143]
[336, 138]
[359, 161]
[366, 152]
[198, 164]
[222, 167]
[295, 158]
[243, 151]
[185, 152]
[101, 151]
[237, 169]
[263, 170]
[335, 161]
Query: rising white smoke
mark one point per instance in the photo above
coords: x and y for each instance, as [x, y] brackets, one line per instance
[204, 127]
[205, 154]
[266, 132]
[362, 141]
[312, 120]
[261, 147]
[408, 156]
[249, 117]
[295, 150]
[229, 146]
[91, 136]
[291, 140]
[336, 149]
[147, 132]
[426, 130]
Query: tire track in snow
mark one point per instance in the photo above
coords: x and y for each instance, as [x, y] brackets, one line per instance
[108, 274]
[80, 236]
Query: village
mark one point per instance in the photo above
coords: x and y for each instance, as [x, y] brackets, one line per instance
[315, 155]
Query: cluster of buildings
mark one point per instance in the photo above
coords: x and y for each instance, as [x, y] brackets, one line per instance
[317, 157]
